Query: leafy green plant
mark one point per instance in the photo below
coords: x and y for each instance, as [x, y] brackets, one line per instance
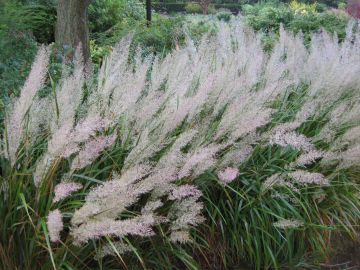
[37, 18]
[16, 56]
[98, 52]
[163, 35]
[296, 17]
[224, 15]
[104, 15]
[302, 8]
[267, 17]
[195, 8]
[312, 22]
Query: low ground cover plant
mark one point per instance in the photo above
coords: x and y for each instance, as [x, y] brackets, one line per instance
[296, 17]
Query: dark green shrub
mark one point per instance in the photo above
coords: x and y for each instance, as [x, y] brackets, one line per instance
[224, 16]
[104, 14]
[267, 17]
[312, 22]
[98, 52]
[16, 56]
[35, 17]
[195, 8]
[295, 17]
[162, 36]
[17, 53]
[169, 7]
[235, 8]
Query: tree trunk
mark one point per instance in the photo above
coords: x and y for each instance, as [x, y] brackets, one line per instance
[205, 5]
[148, 11]
[72, 25]
[353, 8]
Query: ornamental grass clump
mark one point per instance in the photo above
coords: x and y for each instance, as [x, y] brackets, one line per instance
[132, 163]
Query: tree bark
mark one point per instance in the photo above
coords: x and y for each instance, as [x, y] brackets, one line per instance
[72, 26]
[148, 11]
[353, 8]
[204, 5]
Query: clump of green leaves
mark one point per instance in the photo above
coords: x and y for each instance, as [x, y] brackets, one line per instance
[105, 14]
[34, 17]
[160, 37]
[297, 17]
[195, 8]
